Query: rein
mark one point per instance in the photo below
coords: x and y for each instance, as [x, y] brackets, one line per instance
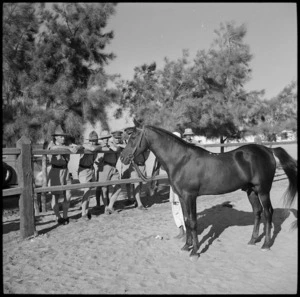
[136, 167]
[138, 143]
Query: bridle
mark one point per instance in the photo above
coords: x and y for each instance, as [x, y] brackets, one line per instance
[131, 157]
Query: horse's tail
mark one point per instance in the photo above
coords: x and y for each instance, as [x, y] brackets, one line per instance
[290, 167]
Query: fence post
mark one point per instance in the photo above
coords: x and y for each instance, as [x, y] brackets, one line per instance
[36, 203]
[25, 180]
[43, 195]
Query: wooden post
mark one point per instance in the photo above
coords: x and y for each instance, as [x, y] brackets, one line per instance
[25, 180]
[36, 204]
[43, 195]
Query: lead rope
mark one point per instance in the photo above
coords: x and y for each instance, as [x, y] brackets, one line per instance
[141, 175]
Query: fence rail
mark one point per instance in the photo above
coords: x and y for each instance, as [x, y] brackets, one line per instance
[27, 191]
[244, 143]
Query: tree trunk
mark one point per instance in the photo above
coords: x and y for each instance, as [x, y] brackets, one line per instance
[222, 140]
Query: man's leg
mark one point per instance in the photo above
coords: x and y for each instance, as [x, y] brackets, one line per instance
[85, 203]
[98, 194]
[116, 191]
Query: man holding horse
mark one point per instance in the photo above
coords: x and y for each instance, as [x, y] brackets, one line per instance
[130, 172]
[107, 164]
[176, 208]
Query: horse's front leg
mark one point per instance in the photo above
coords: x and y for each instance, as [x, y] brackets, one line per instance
[188, 205]
[193, 224]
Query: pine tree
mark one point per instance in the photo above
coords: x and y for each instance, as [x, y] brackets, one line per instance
[20, 25]
[65, 80]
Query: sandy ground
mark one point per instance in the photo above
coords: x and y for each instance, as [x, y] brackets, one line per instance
[120, 254]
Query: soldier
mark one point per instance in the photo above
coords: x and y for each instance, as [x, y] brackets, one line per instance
[86, 171]
[130, 172]
[59, 173]
[107, 164]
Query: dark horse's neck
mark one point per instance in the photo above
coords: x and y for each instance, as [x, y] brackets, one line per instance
[168, 149]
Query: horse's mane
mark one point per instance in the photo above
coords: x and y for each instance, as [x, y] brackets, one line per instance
[182, 141]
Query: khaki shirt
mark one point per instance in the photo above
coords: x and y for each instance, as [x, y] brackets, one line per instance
[113, 152]
[87, 160]
[58, 160]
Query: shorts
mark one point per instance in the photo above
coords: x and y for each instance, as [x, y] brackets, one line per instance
[57, 177]
[86, 175]
[107, 172]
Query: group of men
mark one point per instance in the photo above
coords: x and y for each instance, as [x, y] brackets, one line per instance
[108, 167]
[102, 165]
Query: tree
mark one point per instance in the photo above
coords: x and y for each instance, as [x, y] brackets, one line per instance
[20, 24]
[205, 95]
[280, 112]
[65, 79]
[224, 70]
[155, 95]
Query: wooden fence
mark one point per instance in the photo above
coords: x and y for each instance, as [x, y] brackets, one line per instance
[28, 192]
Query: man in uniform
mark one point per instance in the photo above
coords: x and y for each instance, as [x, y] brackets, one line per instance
[136, 188]
[86, 171]
[107, 165]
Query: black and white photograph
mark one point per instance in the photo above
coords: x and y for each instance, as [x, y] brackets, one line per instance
[149, 148]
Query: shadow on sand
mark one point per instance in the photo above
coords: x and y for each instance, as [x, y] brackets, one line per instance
[223, 215]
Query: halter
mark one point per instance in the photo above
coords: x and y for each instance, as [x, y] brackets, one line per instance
[138, 143]
[131, 156]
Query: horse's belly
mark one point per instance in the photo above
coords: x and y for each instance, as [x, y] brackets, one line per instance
[221, 187]
[218, 191]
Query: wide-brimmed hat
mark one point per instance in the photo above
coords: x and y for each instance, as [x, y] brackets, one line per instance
[93, 136]
[188, 131]
[104, 134]
[177, 134]
[59, 132]
[117, 134]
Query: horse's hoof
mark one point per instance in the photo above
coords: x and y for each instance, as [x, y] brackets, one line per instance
[186, 248]
[251, 242]
[265, 249]
[194, 257]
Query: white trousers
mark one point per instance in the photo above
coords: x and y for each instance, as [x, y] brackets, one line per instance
[176, 209]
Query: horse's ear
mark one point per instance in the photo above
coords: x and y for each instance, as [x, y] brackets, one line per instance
[137, 123]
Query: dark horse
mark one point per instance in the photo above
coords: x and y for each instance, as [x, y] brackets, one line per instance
[194, 171]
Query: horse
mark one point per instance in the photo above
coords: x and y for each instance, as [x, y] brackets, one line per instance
[194, 171]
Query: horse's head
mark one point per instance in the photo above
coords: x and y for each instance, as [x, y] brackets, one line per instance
[137, 144]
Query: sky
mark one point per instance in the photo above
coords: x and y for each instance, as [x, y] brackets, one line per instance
[149, 32]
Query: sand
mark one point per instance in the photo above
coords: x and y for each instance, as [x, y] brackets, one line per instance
[122, 254]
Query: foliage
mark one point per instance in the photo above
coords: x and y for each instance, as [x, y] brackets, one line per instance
[208, 94]
[199, 96]
[62, 61]
[54, 73]
[280, 112]
[19, 27]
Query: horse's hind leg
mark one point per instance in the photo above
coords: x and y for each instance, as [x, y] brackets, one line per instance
[257, 210]
[268, 213]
